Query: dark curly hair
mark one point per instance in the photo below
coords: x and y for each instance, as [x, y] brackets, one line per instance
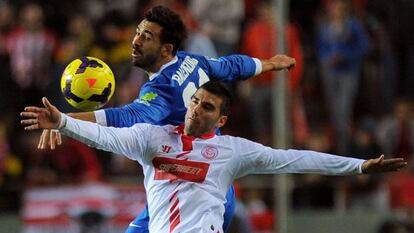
[173, 29]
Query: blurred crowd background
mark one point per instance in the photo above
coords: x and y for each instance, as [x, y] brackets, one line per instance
[351, 93]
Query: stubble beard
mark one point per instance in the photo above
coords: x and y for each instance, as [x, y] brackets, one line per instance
[147, 62]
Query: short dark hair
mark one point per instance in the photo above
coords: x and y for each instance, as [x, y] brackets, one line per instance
[219, 89]
[173, 29]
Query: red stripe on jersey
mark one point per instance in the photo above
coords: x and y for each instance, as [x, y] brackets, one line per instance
[187, 142]
[173, 196]
[174, 215]
[172, 169]
[174, 211]
[174, 205]
[174, 224]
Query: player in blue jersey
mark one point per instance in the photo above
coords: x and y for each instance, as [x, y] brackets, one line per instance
[174, 76]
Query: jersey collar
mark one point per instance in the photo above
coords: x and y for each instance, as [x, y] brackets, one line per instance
[174, 60]
[180, 130]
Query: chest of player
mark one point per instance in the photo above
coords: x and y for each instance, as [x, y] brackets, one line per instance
[192, 161]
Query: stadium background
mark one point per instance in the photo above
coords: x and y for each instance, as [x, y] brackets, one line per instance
[78, 189]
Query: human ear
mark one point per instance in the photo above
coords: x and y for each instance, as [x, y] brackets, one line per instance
[221, 121]
[167, 49]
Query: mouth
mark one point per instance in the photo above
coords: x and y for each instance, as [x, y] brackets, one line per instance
[192, 118]
[136, 52]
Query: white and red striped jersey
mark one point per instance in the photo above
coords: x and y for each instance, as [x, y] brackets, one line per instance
[186, 178]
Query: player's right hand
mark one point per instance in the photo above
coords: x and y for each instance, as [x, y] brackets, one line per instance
[49, 138]
[381, 164]
[41, 118]
[281, 62]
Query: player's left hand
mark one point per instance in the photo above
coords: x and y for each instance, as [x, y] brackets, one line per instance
[41, 118]
[383, 165]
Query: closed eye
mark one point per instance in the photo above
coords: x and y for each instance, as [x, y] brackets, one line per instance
[195, 100]
[209, 107]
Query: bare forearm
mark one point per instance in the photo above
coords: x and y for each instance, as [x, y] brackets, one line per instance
[86, 116]
[278, 62]
[267, 65]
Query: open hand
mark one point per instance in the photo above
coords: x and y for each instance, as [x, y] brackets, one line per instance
[383, 165]
[41, 118]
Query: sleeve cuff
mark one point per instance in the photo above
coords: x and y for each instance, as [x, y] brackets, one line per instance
[258, 66]
[360, 167]
[100, 117]
[63, 121]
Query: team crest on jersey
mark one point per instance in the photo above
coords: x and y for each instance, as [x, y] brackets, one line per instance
[209, 152]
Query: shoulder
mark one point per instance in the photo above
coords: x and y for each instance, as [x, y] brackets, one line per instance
[182, 55]
[239, 143]
[143, 126]
[231, 140]
[155, 129]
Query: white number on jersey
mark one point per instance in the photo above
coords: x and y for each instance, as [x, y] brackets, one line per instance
[191, 88]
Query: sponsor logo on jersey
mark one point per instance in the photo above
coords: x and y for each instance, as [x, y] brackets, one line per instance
[185, 69]
[209, 152]
[173, 169]
[147, 97]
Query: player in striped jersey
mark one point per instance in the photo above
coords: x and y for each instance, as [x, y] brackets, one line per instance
[188, 168]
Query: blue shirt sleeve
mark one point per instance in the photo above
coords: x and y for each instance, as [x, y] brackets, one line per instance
[152, 106]
[231, 68]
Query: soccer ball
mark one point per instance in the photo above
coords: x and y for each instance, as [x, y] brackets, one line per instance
[87, 83]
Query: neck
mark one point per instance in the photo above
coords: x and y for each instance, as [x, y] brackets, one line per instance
[186, 132]
[204, 135]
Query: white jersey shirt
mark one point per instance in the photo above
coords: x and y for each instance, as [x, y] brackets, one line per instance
[186, 178]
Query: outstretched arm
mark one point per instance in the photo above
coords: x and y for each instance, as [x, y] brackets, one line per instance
[127, 141]
[256, 158]
[242, 67]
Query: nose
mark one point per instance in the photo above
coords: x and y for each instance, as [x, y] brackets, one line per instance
[137, 40]
[195, 109]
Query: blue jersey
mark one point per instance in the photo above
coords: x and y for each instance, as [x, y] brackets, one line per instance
[165, 97]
